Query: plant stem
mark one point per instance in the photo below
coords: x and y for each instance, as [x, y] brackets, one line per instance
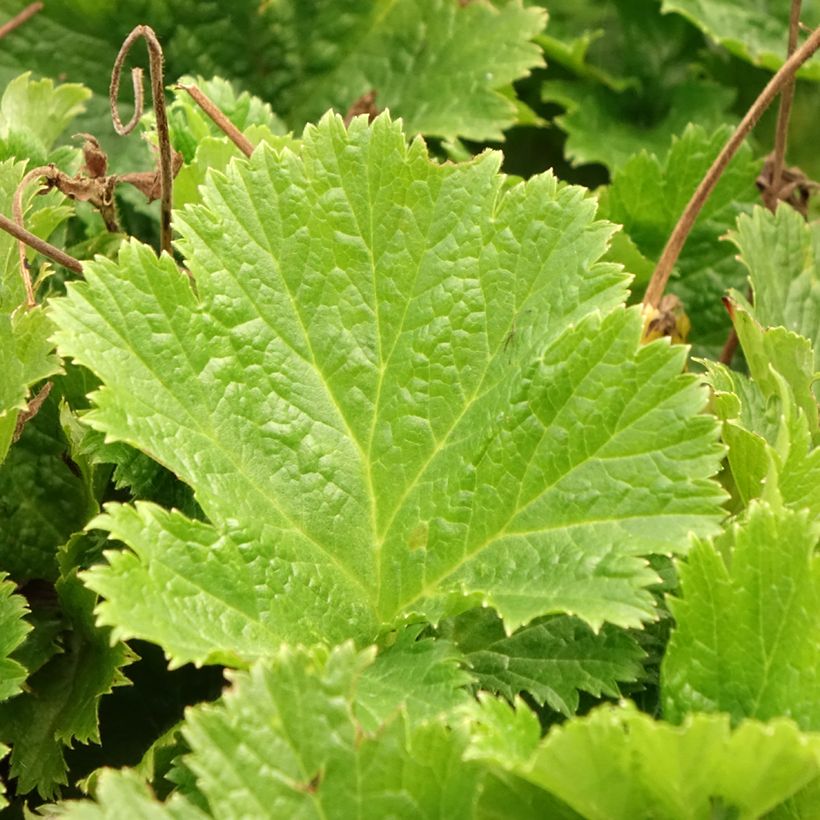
[681, 231]
[158, 99]
[220, 120]
[19, 19]
[772, 193]
[40, 245]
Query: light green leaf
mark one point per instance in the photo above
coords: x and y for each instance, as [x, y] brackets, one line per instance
[551, 659]
[754, 30]
[284, 743]
[62, 704]
[33, 113]
[620, 763]
[123, 794]
[782, 254]
[13, 630]
[189, 125]
[424, 677]
[26, 357]
[474, 417]
[747, 640]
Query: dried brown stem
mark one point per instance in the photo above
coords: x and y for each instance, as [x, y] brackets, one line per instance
[40, 245]
[772, 193]
[33, 409]
[158, 99]
[219, 119]
[27, 13]
[681, 231]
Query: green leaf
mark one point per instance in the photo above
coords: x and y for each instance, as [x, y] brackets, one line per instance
[475, 416]
[601, 127]
[782, 254]
[122, 794]
[62, 704]
[444, 68]
[747, 640]
[551, 659]
[13, 630]
[648, 195]
[33, 114]
[295, 713]
[42, 501]
[620, 763]
[26, 357]
[424, 677]
[189, 125]
[754, 30]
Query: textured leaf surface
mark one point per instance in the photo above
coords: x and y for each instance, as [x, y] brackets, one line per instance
[747, 640]
[753, 30]
[62, 704]
[439, 65]
[620, 763]
[424, 677]
[648, 195]
[782, 254]
[452, 402]
[285, 743]
[13, 630]
[550, 659]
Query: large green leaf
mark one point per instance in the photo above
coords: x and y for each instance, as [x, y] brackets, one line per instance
[13, 630]
[754, 30]
[453, 403]
[618, 763]
[747, 639]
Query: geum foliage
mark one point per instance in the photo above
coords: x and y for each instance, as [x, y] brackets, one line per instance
[398, 389]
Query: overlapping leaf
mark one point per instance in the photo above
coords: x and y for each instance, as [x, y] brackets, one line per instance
[551, 659]
[455, 404]
[781, 252]
[747, 640]
[441, 65]
[620, 763]
[61, 706]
